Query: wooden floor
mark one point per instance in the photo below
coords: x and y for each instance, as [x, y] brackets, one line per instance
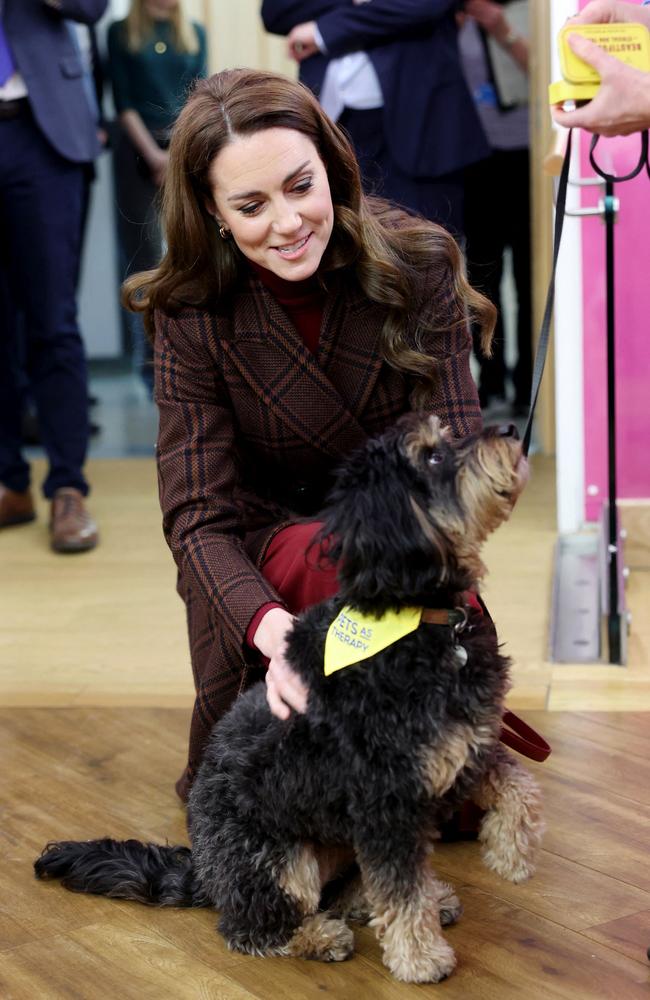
[95, 690]
[578, 930]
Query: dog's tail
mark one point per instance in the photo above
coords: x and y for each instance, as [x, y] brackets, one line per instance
[124, 869]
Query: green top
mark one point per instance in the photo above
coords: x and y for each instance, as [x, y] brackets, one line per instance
[155, 80]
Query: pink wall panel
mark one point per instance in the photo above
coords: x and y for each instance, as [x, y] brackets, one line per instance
[632, 298]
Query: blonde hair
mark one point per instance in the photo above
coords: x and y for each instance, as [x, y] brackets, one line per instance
[139, 28]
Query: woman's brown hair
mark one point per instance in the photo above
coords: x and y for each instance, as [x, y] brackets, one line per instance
[388, 252]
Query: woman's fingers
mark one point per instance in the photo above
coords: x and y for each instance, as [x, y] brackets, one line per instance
[285, 686]
[290, 687]
[277, 706]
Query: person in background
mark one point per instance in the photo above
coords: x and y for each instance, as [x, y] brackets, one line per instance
[155, 54]
[622, 104]
[497, 199]
[47, 139]
[388, 71]
[84, 37]
[294, 318]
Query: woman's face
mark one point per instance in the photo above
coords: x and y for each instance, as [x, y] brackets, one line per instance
[270, 189]
[160, 8]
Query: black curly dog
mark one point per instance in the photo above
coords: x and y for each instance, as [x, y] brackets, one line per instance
[297, 825]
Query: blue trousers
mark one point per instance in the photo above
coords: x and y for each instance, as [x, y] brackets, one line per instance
[41, 199]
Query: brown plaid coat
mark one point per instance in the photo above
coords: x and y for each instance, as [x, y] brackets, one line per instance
[251, 426]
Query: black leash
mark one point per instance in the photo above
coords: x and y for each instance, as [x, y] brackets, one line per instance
[545, 330]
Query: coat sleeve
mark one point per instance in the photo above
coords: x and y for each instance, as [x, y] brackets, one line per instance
[355, 26]
[442, 330]
[280, 16]
[118, 68]
[84, 11]
[197, 475]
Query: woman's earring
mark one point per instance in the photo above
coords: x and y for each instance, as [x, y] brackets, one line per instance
[223, 232]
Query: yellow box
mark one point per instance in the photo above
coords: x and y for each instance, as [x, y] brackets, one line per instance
[562, 91]
[628, 42]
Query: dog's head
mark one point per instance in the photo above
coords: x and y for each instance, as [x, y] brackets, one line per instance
[410, 511]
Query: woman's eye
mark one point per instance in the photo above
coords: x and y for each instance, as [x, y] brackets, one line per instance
[435, 458]
[250, 209]
[303, 187]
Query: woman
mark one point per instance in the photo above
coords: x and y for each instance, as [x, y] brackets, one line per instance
[155, 54]
[293, 318]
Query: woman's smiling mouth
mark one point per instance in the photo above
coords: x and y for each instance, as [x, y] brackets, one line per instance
[293, 250]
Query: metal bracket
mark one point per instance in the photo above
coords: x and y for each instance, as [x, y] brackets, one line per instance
[604, 206]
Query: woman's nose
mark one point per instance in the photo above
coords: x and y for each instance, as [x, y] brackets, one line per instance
[286, 221]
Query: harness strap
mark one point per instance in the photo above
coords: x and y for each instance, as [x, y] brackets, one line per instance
[453, 617]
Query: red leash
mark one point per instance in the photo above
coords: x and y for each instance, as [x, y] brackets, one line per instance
[519, 736]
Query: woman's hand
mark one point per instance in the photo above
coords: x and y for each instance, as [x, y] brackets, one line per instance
[284, 688]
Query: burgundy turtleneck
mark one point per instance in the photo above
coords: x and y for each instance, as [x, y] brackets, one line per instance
[301, 300]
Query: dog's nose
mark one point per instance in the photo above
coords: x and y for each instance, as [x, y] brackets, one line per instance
[508, 431]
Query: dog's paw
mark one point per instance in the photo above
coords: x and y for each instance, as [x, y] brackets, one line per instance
[322, 939]
[427, 966]
[510, 851]
[451, 908]
[336, 942]
[511, 866]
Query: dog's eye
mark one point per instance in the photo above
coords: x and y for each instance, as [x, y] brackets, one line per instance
[435, 457]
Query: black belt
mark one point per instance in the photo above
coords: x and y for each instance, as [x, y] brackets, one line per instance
[13, 109]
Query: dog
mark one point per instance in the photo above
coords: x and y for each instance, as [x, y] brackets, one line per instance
[299, 825]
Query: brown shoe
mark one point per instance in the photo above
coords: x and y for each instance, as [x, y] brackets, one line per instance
[72, 529]
[15, 508]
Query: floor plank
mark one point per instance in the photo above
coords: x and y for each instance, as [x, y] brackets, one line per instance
[629, 935]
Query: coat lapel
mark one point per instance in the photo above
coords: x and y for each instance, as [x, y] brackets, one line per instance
[320, 398]
[349, 346]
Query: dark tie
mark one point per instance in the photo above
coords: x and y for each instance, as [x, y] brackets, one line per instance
[6, 61]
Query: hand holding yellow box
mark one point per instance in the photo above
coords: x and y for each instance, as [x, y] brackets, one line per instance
[628, 42]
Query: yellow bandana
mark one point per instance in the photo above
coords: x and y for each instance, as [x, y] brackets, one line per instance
[353, 637]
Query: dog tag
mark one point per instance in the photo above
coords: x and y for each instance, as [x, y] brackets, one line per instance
[461, 655]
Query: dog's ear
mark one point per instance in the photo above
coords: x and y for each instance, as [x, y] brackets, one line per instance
[377, 530]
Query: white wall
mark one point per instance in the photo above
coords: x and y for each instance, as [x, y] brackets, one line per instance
[569, 409]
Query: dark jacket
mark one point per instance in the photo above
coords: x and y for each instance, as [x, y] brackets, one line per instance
[430, 122]
[53, 70]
